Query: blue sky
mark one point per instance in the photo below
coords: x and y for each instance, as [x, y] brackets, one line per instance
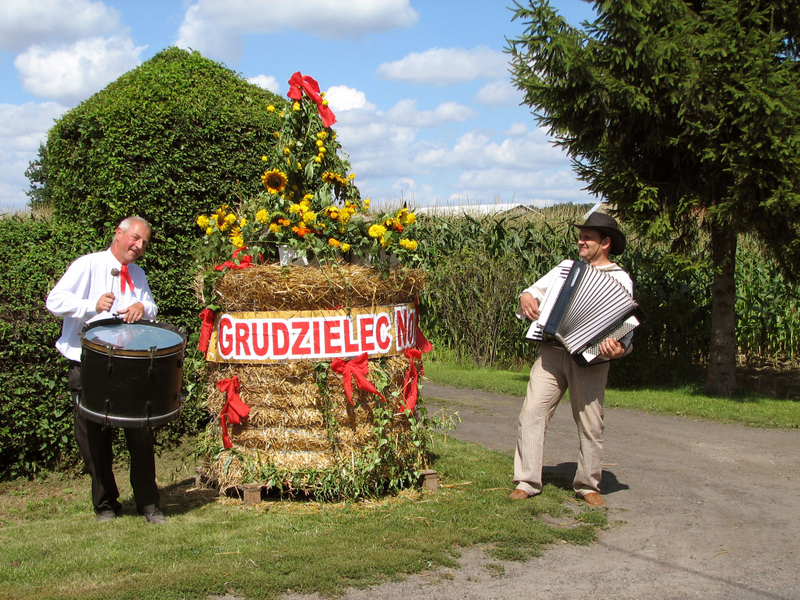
[420, 88]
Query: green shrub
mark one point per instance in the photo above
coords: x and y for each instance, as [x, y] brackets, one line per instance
[35, 408]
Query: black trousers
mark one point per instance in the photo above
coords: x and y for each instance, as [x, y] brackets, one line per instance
[95, 443]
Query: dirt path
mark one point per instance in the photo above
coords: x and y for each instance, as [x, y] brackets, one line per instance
[698, 510]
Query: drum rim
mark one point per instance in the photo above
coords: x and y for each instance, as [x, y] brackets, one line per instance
[103, 348]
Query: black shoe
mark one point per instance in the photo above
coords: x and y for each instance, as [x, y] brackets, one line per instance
[104, 516]
[156, 517]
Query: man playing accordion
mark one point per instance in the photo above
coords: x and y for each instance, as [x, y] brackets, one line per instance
[555, 371]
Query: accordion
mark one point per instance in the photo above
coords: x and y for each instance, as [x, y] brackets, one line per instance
[581, 308]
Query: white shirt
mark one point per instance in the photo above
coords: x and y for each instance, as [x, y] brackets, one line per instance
[75, 297]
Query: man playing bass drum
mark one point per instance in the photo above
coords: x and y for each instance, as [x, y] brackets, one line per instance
[555, 371]
[86, 293]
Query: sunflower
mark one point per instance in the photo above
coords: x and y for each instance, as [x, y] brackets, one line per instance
[274, 180]
[329, 177]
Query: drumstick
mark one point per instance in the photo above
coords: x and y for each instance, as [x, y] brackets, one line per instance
[114, 273]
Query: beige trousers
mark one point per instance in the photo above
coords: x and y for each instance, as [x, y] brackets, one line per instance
[552, 374]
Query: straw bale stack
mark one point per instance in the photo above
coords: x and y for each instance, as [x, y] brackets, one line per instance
[302, 431]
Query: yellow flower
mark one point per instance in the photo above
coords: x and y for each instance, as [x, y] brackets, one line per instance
[322, 135]
[408, 244]
[274, 180]
[366, 202]
[345, 247]
[237, 241]
[287, 151]
[334, 242]
[242, 222]
[309, 216]
[329, 177]
[320, 143]
[376, 231]
[270, 108]
[210, 231]
[296, 209]
[274, 227]
[296, 106]
[262, 216]
[406, 216]
[203, 221]
[230, 219]
[351, 176]
[317, 159]
[265, 158]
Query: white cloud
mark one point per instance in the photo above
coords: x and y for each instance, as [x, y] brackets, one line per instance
[341, 97]
[217, 28]
[446, 66]
[544, 186]
[532, 151]
[266, 82]
[23, 24]
[405, 113]
[516, 130]
[22, 129]
[71, 73]
[499, 93]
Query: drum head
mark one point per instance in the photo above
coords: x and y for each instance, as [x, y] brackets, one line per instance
[132, 338]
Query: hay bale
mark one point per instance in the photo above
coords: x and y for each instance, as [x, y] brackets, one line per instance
[302, 434]
[270, 287]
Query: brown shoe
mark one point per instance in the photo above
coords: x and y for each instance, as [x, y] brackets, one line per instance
[519, 494]
[594, 499]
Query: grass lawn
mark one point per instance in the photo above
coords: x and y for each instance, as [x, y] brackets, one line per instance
[53, 548]
[752, 409]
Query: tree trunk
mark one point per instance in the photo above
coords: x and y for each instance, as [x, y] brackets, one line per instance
[721, 379]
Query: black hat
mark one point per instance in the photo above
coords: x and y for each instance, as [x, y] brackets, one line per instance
[607, 227]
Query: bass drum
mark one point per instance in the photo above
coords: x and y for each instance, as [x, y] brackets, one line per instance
[131, 373]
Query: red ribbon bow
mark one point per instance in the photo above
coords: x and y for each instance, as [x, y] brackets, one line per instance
[247, 261]
[207, 315]
[124, 276]
[303, 83]
[358, 368]
[411, 383]
[234, 410]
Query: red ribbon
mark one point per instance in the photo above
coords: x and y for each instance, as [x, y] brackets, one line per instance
[247, 261]
[124, 276]
[303, 83]
[207, 315]
[358, 368]
[234, 410]
[411, 384]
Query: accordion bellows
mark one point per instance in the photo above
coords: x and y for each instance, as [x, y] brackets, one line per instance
[583, 306]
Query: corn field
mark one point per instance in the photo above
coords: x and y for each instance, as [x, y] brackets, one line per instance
[477, 266]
